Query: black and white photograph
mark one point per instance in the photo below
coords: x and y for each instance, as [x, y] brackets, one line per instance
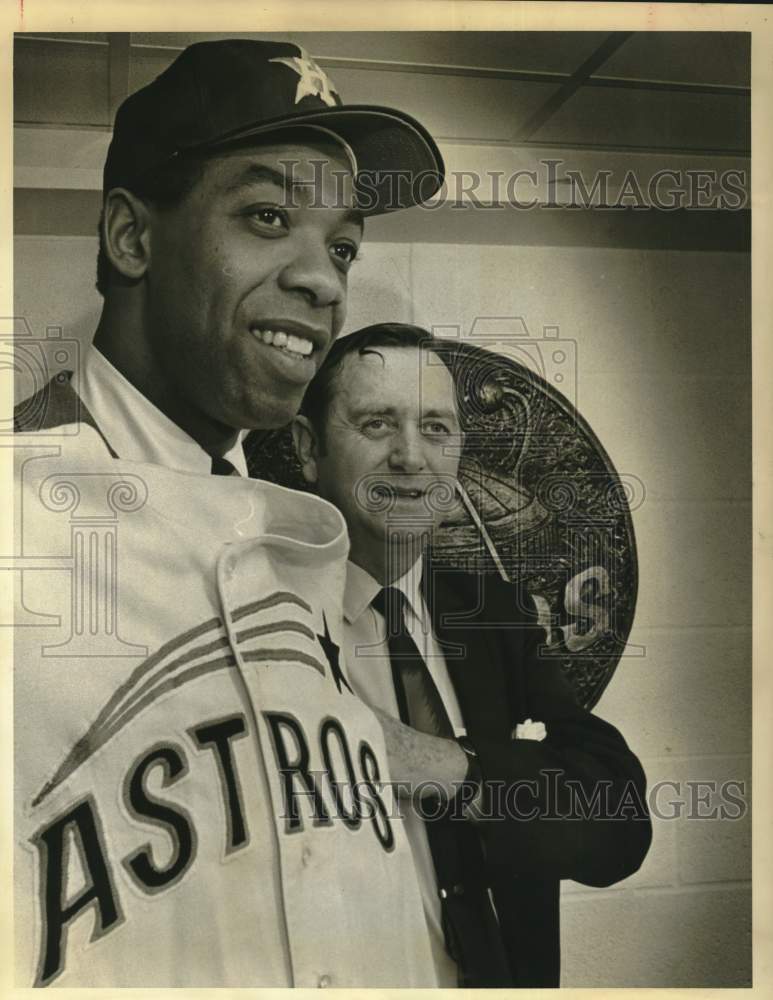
[380, 412]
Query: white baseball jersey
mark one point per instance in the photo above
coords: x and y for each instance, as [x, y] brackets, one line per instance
[199, 796]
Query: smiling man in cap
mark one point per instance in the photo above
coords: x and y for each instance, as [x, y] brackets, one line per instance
[198, 789]
[235, 190]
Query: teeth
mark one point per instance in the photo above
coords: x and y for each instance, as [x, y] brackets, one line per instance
[298, 345]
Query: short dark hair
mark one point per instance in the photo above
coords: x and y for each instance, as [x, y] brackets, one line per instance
[319, 393]
[165, 187]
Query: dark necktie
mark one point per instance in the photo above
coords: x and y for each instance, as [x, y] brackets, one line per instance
[470, 927]
[418, 698]
[222, 467]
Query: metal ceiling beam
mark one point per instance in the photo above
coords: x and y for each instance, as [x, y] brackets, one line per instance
[608, 47]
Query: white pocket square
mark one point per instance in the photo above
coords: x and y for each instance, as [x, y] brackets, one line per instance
[529, 730]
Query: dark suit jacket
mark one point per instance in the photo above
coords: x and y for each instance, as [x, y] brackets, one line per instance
[491, 641]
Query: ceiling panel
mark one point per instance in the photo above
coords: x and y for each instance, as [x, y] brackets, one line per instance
[720, 58]
[450, 107]
[717, 57]
[655, 119]
[65, 84]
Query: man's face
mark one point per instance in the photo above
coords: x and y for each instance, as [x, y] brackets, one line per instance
[391, 447]
[247, 282]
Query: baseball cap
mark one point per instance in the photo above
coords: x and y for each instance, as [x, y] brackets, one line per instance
[219, 92]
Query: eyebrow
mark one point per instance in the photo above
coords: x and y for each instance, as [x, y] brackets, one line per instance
[255, 173]
[372, 411]
[390, 411]
[447, 414]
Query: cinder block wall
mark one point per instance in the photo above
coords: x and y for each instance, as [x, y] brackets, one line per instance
[663, 378]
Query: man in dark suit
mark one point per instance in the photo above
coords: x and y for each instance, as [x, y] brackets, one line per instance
[507, 785]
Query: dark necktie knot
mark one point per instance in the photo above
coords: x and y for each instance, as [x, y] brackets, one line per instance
[222, 467]
[391, 603]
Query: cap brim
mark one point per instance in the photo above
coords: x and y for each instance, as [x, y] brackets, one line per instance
[398, 163]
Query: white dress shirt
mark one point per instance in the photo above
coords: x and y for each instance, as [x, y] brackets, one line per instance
[134, 428]
[369, 668]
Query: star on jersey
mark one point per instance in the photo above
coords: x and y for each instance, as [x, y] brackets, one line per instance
[313, 82]
[331, 651]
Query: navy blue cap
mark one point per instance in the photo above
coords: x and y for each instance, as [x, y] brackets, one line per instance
[221, 92]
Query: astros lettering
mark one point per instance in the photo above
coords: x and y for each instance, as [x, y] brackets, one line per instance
[344, 794]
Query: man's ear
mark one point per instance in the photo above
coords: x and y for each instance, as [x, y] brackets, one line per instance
[126, 233]
[306, 447]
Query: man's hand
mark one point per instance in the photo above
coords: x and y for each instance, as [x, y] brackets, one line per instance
[419, 763]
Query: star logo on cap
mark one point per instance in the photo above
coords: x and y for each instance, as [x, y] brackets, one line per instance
[313, 82]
